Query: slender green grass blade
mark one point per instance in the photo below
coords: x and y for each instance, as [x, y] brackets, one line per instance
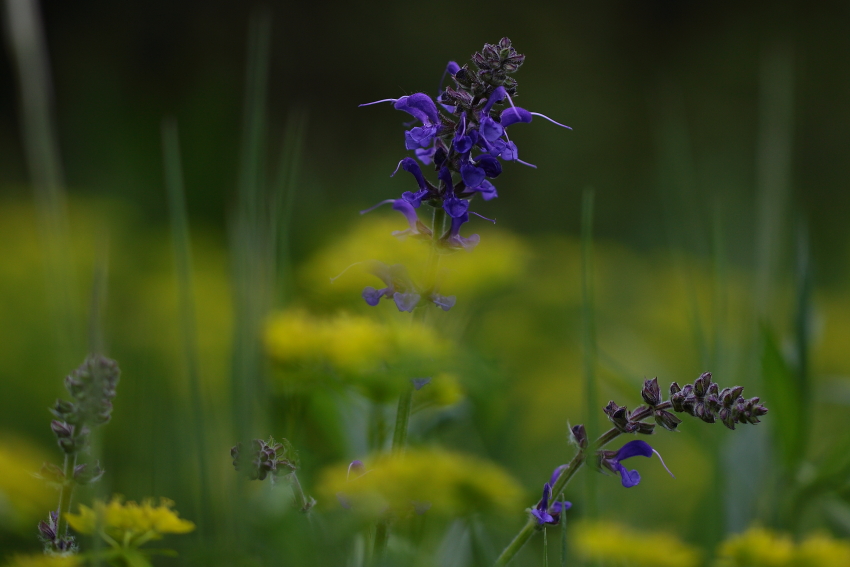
[591, 398]
[188, 330]
[28, 48]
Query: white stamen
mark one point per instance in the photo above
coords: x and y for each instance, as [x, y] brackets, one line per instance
[378, 101]
[384, 202]
[662, 463]
[550, 120]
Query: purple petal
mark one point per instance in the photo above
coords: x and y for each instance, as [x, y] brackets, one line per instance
[514, 114]
[419, 383]
[372, 295]
[629, 478]
[543, 505]
[406, 301]
[471, 175]
[490, 165]
[456, 207]
[420, 106]
[487, 190]
[406, 208]
[425, 155]
[498, 95]
[445, 303]
[446, 177]
[634, 449]
[542, 517]
[419, 137]
[491, 130]
[556, 473]
[409, 165]
[559, 507]
[509, 152]
[415, 199]
[452, 67]
[463, 144]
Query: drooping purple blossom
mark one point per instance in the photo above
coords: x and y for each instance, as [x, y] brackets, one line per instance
[546, 513]
[611, 460]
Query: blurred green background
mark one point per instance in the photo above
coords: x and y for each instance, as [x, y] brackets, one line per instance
[712, 136]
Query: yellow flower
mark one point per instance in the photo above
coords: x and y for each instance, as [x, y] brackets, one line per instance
[756, 547]
[129, 524]
[615, 544]
[376, 357]
[24, 498]
[819, 550]
[446, 483]
[42, 560]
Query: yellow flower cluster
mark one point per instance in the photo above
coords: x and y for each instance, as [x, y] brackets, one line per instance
[618, 545]
[377, 357]
[759, 547]
[129, 524]
[42, 560]
[24, 498]
[445, 483]
[499, 260]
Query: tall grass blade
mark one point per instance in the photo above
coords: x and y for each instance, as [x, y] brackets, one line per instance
[188, 330]
[28, 48]
[588, 333]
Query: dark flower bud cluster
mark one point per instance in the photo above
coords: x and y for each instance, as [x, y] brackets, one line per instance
[48, 534]
[92, 388]
[463, 137]
[705, 400]
[651, 394]
[265, 458]
[626, 421]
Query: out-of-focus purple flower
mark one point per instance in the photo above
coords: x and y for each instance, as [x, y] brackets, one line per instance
[399, 287]
[455, 240]
[417, 227]
[546, 513]
[419, 383]
[443, 302]
[611, 460]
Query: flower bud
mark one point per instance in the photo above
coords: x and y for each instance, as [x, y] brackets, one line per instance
[578, 436]
[667, 420]
[650, 392]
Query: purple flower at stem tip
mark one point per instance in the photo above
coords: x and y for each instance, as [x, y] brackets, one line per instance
[611, 460]
[545, 513]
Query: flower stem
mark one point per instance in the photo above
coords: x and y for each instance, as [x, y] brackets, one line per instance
[382, 535]
[563, 479]
[402, 419]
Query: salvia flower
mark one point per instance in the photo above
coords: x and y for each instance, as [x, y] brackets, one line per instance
[265, 458]
[545, 512]
[611, 460]
[48, 533]
[463, 132]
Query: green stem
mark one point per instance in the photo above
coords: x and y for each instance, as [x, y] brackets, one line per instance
[65, 494]
[563, 479]
[402, 419]
[303, 501]
[382, 535]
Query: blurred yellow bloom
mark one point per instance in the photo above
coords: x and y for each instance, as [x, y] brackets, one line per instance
[23, 498]
[129, 524]
[500, 259]
[42, 560]
[618, 545]
[377, 357]
[759, 547]
[443, 482]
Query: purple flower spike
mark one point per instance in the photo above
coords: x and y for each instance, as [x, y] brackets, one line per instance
[406, 301]
[631, 449]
